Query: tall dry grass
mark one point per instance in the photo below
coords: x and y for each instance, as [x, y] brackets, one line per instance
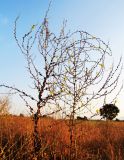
[94, 140]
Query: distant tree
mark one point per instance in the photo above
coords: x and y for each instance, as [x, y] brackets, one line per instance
[4, 106]
[109, 111]
[117, 119]
[82, 118]
[21, 115]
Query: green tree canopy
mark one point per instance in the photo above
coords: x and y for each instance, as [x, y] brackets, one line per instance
[109, 111]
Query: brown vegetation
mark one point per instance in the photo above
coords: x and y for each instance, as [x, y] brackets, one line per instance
[94, 140]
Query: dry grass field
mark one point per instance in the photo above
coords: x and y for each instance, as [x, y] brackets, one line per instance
[94, 140]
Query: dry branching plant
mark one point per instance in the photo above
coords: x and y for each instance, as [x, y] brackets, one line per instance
[86, 80]
[68, 71]
[4, 106]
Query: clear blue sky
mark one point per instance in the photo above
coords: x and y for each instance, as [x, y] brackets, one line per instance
[104, 19]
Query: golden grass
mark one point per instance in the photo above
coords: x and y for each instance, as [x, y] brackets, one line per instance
[94, 140]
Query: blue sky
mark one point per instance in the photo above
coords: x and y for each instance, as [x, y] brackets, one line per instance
[104, 19]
